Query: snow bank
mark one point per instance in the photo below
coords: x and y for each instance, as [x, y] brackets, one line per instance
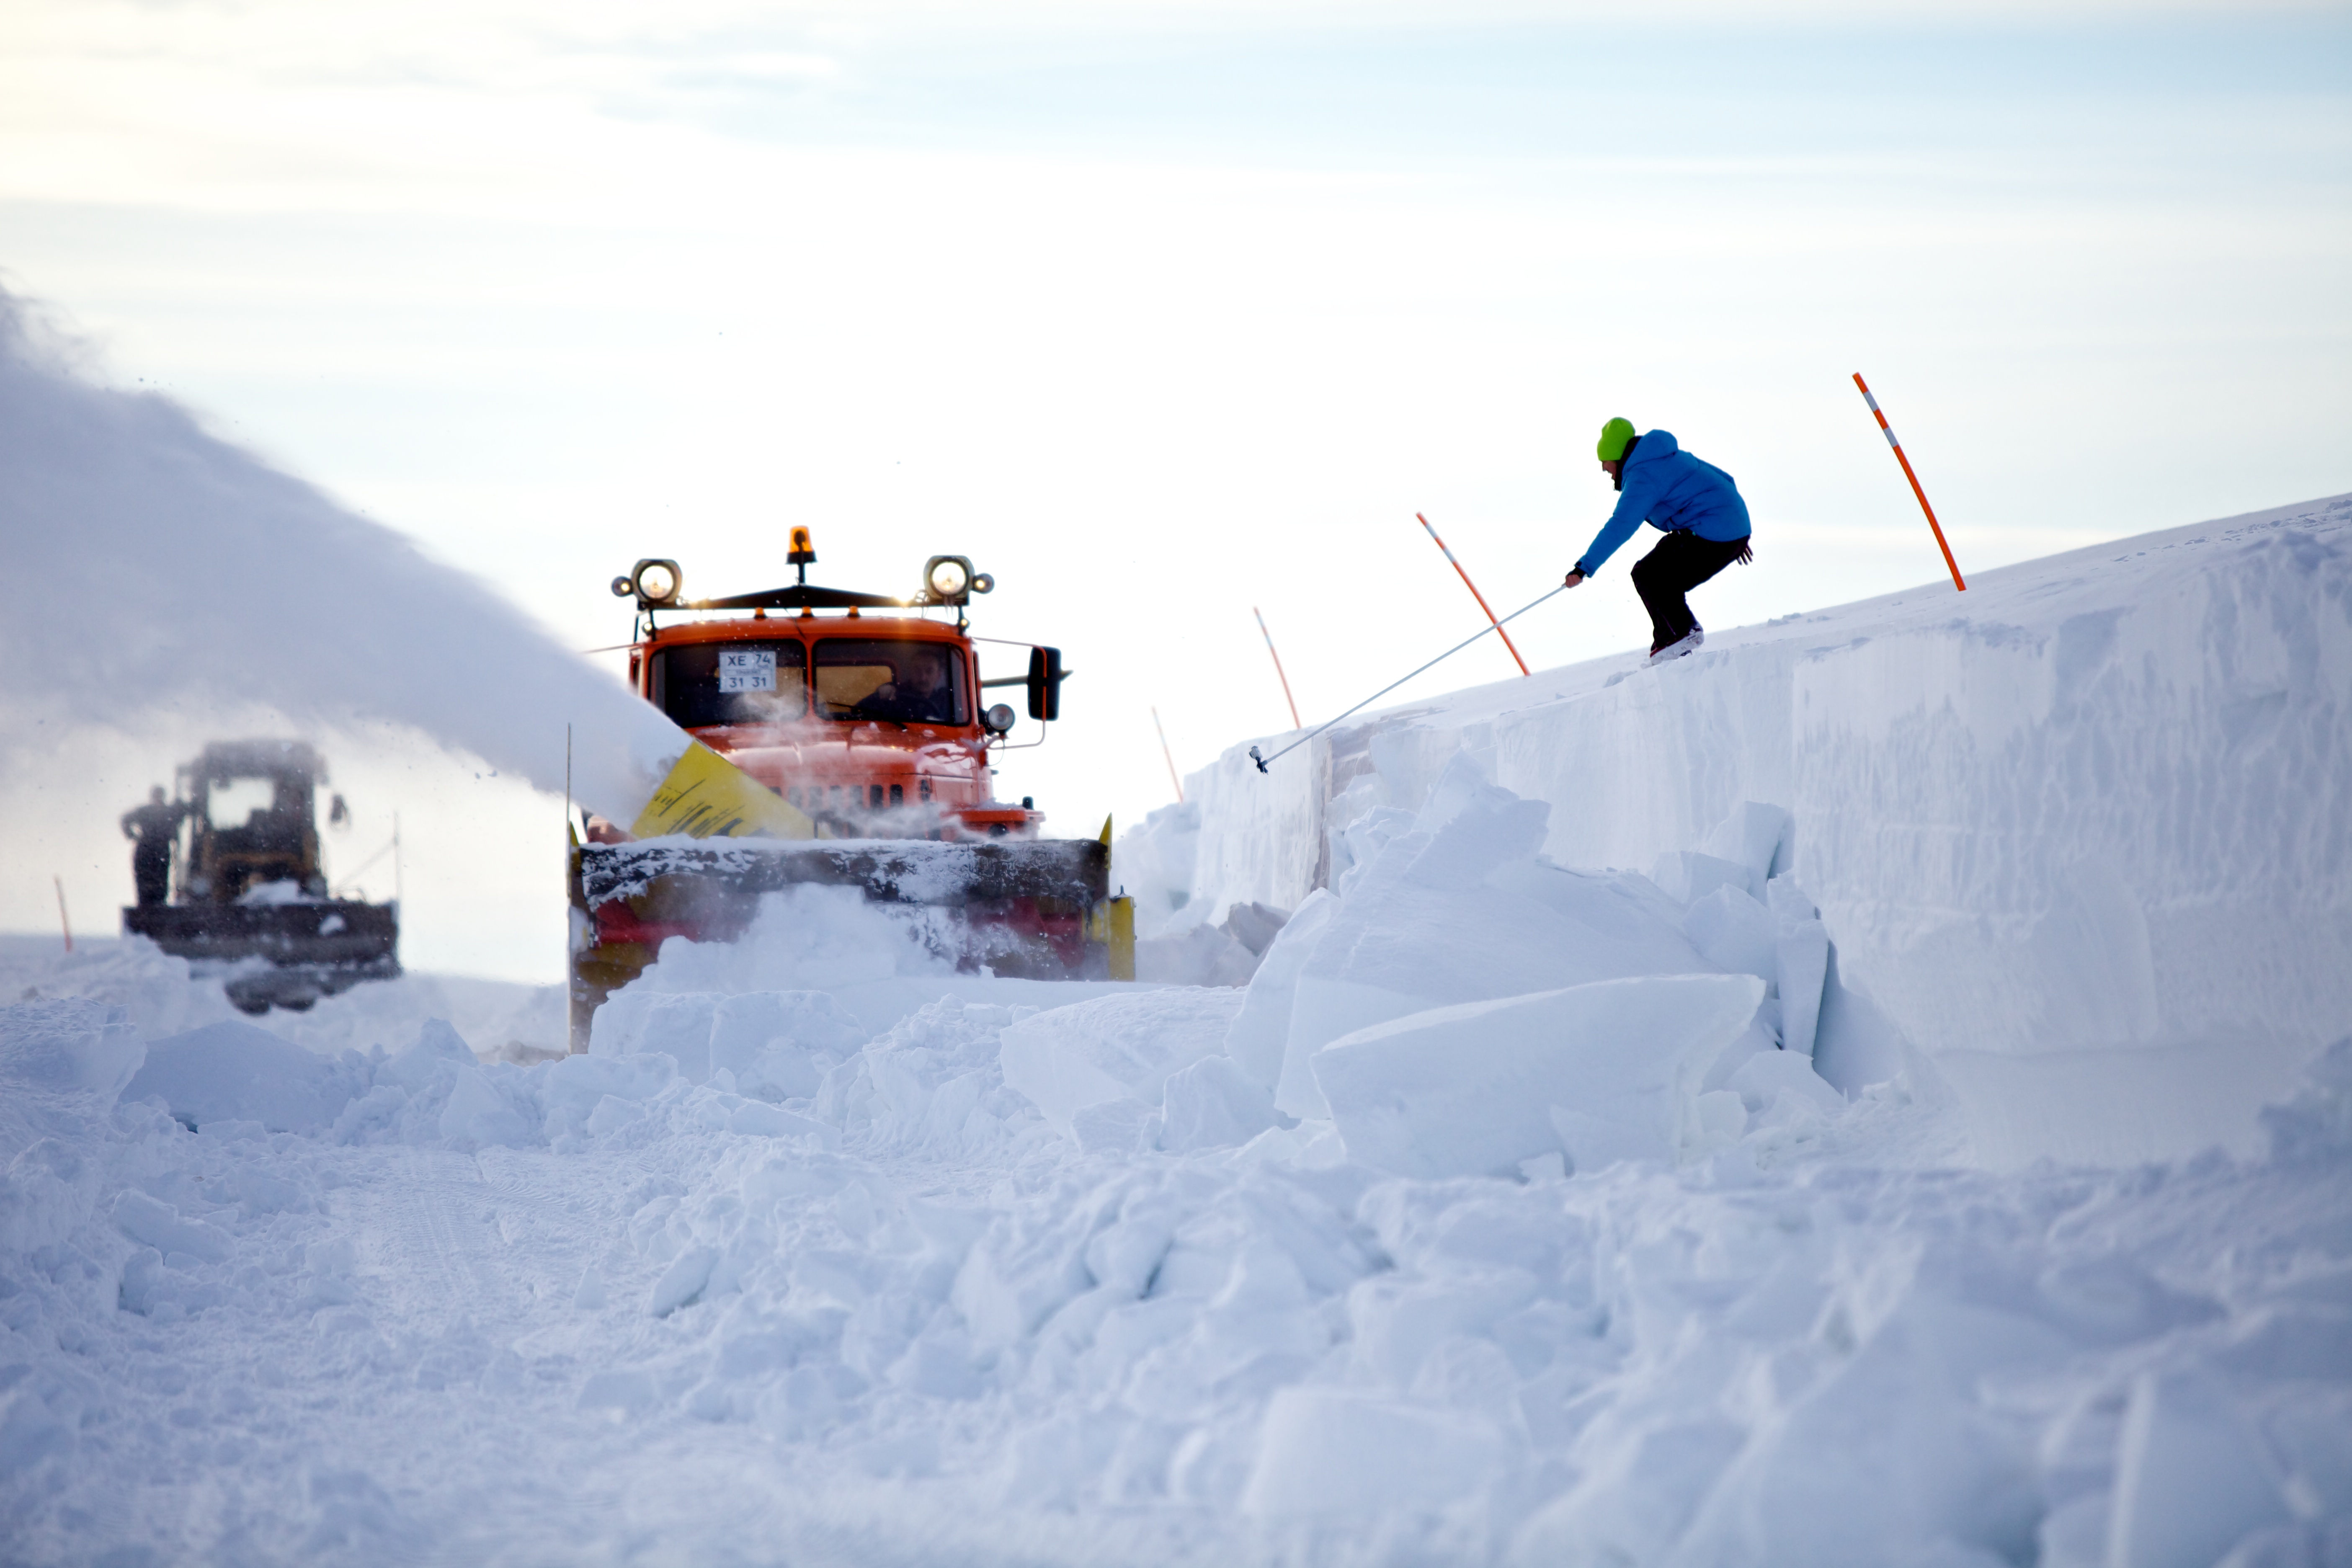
[2083, 833]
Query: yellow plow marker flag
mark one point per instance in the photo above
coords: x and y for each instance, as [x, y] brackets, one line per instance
[707, 796]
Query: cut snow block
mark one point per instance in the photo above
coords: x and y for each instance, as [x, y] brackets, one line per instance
[1254, 926]
[1765, 1075]
[1736, 933]
[1410, 935]
[236, 1072]
[1122, 1046]
[1469, 1089]
[2191, 1478]
[1756, 835]
[1801, 961]
[1331, 1451]
[1259, 1030]
[1213, 1104]
[1855, 1044]
[1687, 876]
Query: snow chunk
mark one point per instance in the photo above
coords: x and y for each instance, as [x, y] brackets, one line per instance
[1765, 1075]
[1330, 1451]
[1460, 910]
[1113, 1047]
[1213, 1104]
[69, 1044]
[1470, 1090]
[1735, 934]
[236, 1072]
[157, 1224]
[437, 1046]
[2191, 1478]
[478, 1115]
[777, 1043]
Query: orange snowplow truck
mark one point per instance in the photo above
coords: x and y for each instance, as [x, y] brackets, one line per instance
[870, 720]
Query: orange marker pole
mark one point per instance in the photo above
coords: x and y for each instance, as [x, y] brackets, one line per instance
[1477, 595]
[1169, 755]
[1915, 491]
[1278, 667]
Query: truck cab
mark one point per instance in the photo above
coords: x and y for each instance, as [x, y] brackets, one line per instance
[876, 724]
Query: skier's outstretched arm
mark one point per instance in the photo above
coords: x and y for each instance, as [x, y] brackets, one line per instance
[1632, 510]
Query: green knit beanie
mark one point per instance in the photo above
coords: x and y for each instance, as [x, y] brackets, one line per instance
[1615, 437]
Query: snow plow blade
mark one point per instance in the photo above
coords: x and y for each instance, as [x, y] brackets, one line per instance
[307, 950]
[1027, 908]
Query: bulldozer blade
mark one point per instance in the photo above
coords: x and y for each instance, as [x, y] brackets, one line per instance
[1025, 907]
[306, 951]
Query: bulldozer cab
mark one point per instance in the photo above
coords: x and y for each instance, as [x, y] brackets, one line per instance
[251, 820]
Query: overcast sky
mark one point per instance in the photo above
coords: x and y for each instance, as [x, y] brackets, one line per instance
[1162, 312]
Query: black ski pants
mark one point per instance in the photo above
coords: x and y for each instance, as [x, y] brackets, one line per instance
[1680, 562]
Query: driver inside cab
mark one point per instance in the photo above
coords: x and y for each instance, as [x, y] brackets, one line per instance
[920, 695]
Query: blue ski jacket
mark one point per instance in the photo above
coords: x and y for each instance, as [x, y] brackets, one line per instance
[1668, 488]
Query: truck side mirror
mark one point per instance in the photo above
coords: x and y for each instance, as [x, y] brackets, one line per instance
[1045, 675]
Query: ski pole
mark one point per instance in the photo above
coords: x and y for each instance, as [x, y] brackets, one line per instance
[1477, 595]
[1392, 685]
[1287, 696]
[1915, 491]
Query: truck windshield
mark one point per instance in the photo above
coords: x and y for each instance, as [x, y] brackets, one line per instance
[911, 682]
[698, 684]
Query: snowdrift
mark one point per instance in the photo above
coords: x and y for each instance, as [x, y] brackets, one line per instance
[1515, 1212]
[2083, 834]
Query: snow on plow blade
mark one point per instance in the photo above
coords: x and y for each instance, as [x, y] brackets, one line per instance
[307, 950]
[1030, 908]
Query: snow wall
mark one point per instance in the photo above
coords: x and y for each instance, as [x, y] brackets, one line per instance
[2083, 833]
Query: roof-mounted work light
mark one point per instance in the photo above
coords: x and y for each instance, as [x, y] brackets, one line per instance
[654, 583]
[950, 580]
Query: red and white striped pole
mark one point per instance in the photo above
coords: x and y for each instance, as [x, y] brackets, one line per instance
[1915, 491]
[1477, 595]
[1169, 755]
[1278, 667]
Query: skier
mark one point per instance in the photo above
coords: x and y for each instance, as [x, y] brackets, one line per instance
[150, 828]
[1696, 506]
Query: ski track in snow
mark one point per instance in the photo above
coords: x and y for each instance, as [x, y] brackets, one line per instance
[825, 1255]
